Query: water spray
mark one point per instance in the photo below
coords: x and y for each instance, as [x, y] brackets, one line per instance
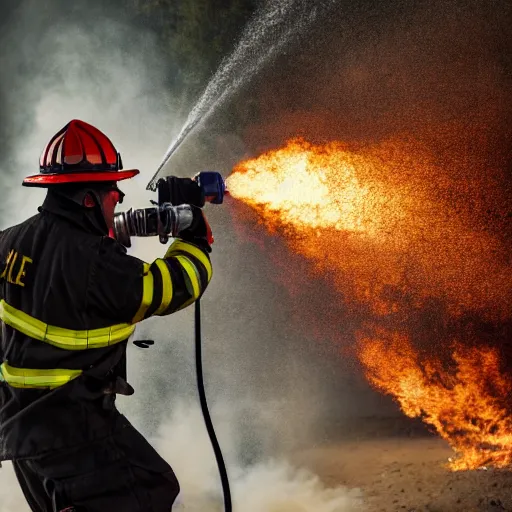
[166, 218]
[273, 27]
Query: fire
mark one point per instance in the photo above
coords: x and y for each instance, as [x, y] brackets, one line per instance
[458, 402]
[312, 189]
[396, 234]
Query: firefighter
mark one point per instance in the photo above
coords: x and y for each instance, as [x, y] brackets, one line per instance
[70, 297]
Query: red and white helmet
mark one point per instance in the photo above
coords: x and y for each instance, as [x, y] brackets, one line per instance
[79, 153]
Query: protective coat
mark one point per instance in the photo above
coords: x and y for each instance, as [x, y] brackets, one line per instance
[68, 294]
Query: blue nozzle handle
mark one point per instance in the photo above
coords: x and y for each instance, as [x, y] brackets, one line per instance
[212, 185]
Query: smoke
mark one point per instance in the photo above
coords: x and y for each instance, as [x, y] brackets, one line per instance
[85, 62]
[10, 492]
[396, 68]
[271, 485]
[75, 68]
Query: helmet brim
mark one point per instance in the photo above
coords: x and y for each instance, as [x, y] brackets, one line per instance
[48, 180]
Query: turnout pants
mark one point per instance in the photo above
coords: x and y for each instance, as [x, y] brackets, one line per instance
[122, 473]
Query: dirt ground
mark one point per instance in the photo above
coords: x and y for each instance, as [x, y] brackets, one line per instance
[403, 469]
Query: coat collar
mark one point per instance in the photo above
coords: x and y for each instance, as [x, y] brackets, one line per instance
[89, 220]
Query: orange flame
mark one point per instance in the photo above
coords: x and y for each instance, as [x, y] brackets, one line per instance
[393, 234]
[458, 403]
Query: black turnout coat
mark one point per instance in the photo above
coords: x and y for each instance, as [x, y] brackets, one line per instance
[63, 285]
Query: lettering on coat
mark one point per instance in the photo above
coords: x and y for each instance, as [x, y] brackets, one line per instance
[15, 270]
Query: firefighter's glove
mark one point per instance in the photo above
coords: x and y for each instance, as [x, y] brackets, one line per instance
[184, 191]
[200, 232]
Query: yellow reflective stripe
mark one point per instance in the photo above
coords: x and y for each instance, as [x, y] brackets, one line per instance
[25, 378]
[184, 247]
[191, 271]
[147, 294]
[63, 338]
[167, 288]
[81, 340]
[21, 321]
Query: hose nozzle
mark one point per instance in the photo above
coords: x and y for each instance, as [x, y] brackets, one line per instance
[173, 212]
[205, 187]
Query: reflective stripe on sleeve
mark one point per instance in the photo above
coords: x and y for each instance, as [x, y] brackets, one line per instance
[192, 274]
[167, 287]
[181, 247]
[147, 294]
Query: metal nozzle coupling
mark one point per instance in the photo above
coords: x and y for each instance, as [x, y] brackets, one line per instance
[164, 221]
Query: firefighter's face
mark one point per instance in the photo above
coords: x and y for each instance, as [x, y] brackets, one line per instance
[110, 200]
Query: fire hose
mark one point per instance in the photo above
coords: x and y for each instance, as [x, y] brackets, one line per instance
[170, 215]
[206, 414]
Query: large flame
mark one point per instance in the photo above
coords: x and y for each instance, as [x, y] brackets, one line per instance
[395, 234]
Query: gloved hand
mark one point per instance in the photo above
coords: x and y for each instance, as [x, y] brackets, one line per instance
[174, 190]
[200, 232]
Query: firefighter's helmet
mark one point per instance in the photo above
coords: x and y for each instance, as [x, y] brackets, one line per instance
[79, 153]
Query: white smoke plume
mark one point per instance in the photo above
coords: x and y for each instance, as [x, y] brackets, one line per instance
[111, 76]
[11, 497]
[268, 486]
